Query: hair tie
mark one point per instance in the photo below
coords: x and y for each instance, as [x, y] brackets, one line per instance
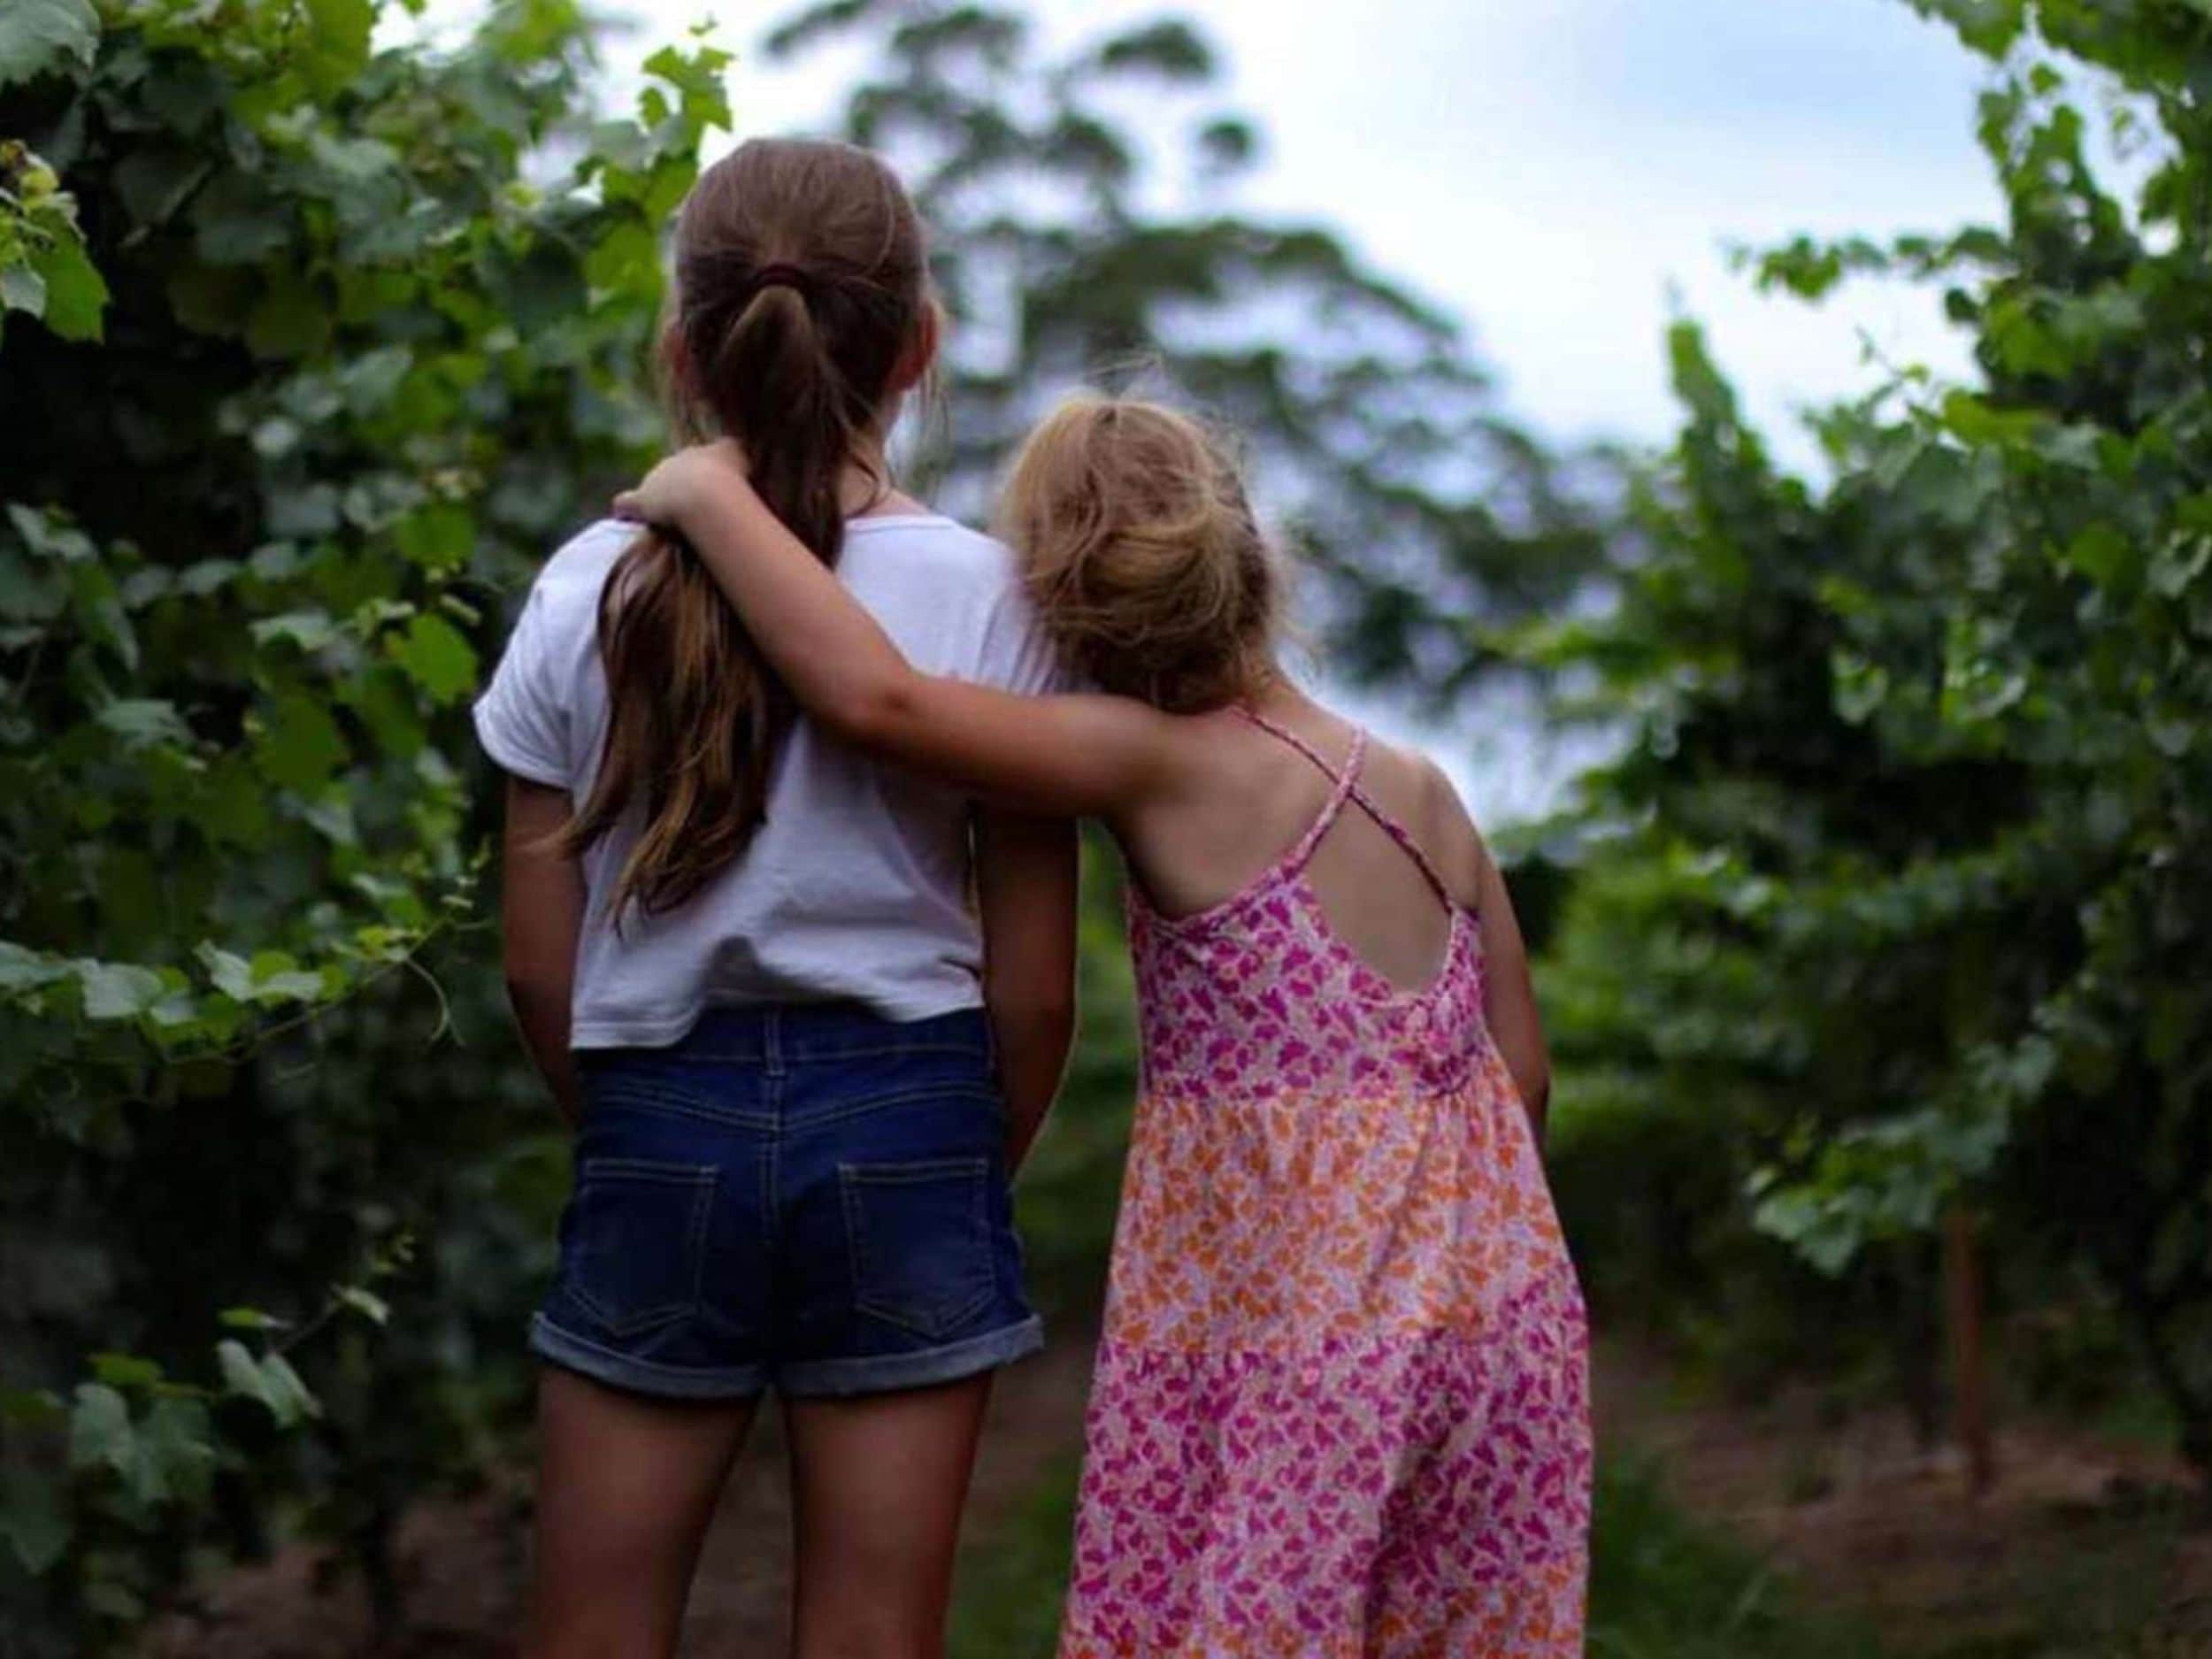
[776, 274]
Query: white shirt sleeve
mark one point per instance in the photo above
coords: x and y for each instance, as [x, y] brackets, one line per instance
[1012, 650]
[521, 719]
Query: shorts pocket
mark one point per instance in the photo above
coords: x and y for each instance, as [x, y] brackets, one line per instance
[920, 1239]
[638, 1240]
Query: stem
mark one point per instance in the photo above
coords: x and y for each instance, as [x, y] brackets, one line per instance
[1970, 1373]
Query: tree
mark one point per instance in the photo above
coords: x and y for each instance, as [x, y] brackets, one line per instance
[1070, 248]
[1902, 858]
[309, 353]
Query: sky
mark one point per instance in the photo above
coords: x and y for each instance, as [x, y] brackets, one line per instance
[1564, 176]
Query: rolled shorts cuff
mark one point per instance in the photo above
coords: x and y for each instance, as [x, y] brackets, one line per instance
[881, 1374]
[571, 1352]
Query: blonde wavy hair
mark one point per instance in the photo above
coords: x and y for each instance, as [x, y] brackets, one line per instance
[1140, 550]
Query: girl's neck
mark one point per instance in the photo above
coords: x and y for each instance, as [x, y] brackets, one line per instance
[867, 489]
[1279, 696]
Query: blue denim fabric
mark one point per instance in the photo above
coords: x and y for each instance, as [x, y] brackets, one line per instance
[808, 1198]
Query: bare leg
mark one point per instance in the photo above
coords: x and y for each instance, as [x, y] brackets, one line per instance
[877, 1485]
[626, 1486]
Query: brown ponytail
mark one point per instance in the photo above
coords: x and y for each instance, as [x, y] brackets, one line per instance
[800, 287]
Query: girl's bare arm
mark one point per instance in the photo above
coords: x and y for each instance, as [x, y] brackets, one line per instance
[542, 915]
[1026, 883]
[1508, 992]
[1510, 996]
[1064, 756]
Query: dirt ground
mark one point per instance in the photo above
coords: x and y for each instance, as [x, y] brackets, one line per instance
[2080, 1534]
[2084, 1546]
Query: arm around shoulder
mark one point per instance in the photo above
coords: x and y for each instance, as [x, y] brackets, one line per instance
[1065, 755]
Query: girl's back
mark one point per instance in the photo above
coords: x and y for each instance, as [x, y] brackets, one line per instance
[801, 1059]
[856, 885]
[1339, 1387]
[1265, 791]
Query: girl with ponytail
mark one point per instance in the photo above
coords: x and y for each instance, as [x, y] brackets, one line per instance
[805, 1013]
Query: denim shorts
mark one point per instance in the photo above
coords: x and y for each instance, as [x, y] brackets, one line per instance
[809, 1198]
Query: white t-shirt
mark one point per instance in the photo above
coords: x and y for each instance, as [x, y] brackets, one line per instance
[857, 886]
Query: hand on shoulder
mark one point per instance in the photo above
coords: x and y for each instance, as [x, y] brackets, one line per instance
[682, 483]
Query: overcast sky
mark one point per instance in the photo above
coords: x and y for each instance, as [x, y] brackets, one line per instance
[1563, 175]
[1553, 171]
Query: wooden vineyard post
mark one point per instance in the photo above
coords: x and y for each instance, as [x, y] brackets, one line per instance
[1969, 1369]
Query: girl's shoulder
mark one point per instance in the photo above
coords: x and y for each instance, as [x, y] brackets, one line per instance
[927, 547]
[1421, 794]
[555, 638]
[578, 569]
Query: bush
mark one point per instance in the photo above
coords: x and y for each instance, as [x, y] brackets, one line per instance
[310, 352]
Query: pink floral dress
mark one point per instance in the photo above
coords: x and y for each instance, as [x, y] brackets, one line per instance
[1341, 1398]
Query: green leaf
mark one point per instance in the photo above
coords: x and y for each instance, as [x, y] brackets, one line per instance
[125, 1371]
[114, 1601]
[119, 990]
[154, 183]
[249, 1319]
[236, 222]
[436, 657]
[176, 1450]
[291, 320]
[233, 975]
[207, 576]
[367, 1304]
[76, 294]
[32, 1518]
[35, 34]
[23, 289]
[284, 1394]
[99, 1428]
[277, 978]
[145, 723]
[39, 1408]
[309, 630]
[210, 299]
[2106, 554]
[333, 817]
[338, 34]
[25, 969]
[439, 536]
[242, 1372]
[233, 806]
[371, 380]
[627, 257]
[300, 747]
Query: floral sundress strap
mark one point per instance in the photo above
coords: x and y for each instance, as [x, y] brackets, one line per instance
[1347, 782]
[1348, 789]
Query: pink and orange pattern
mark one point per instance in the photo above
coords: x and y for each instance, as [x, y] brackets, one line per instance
[1341, 1400]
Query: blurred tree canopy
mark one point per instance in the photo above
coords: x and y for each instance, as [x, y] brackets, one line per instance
[1899, 874]
[1083, 208]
